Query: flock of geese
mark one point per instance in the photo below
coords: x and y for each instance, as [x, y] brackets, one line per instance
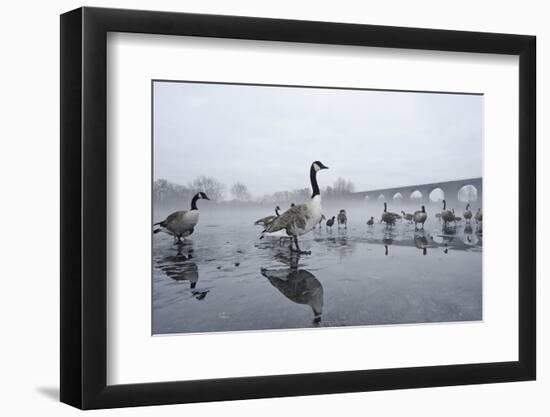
[300, 219]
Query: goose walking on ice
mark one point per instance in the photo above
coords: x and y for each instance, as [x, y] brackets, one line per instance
[330, 222]
[479, 216]
[388, 217]
[301, 218]
[342, 218]
[467, 213]
[265, 220]
[407, 216]
[420, 216]
[181, 224]
[446, 215]
[370, 222]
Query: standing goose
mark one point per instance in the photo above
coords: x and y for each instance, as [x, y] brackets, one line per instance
[343, 218]
[446, 215]
[330, 222]
[265, 220]
[181, 224]
[388, 217]
[407, 216]
[370, 222]
[467, 214]
[479, 216]
[301, 218]
[420, 216]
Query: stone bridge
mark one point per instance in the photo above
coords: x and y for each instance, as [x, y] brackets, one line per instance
[420, 194]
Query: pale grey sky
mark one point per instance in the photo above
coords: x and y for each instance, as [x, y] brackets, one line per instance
[267, 137]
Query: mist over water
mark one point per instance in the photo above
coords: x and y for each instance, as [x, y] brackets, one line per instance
[224, 278]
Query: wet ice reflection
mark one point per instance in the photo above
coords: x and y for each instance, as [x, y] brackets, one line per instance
[225, 279]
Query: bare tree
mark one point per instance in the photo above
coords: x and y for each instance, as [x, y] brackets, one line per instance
[239, 191]
[343, 187]
[212, 187]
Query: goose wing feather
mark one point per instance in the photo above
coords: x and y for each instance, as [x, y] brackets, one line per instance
[265, 220]
[294, 217]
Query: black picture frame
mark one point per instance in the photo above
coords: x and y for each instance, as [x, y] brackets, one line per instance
[84, 207]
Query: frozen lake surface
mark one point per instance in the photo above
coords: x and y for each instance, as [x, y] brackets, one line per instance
[223, 278]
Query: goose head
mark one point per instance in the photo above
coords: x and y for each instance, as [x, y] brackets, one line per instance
[318, 165]
[201, 195]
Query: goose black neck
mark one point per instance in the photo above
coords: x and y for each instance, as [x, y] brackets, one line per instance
[313, 179]
[194, 202]
[277, 211]
[423, 209]
[385, 207]
[444, 205]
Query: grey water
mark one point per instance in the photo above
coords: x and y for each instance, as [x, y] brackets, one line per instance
[224, 278]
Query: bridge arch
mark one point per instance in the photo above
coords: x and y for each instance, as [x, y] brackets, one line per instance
[436, 195]
[468, 193]
[381, 197]
[416, 195]
[397, 196]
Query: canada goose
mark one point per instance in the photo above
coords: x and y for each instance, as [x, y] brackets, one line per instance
[446, 215]
[299, 286]
[478, 216]
[181, 224]
[467, 214]
[330, 222]
[420, 216]
[265, 220]
[407, 216]
[370, 222]
[343, 218]
[301, 218]
[388, 217]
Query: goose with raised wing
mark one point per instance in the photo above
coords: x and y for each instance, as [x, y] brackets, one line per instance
[181, 224]
[301, 218]
[446, 215]
[265, 220]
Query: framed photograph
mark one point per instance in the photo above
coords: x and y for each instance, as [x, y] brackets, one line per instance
[257, 208]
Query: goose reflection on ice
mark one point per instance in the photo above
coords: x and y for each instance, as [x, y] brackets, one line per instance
[387, 240]
[299, 286]
[421, 242]
[179, 267]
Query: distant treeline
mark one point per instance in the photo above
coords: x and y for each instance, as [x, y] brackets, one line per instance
[166, 192]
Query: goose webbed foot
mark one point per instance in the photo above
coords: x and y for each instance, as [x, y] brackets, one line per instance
[298, 250]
